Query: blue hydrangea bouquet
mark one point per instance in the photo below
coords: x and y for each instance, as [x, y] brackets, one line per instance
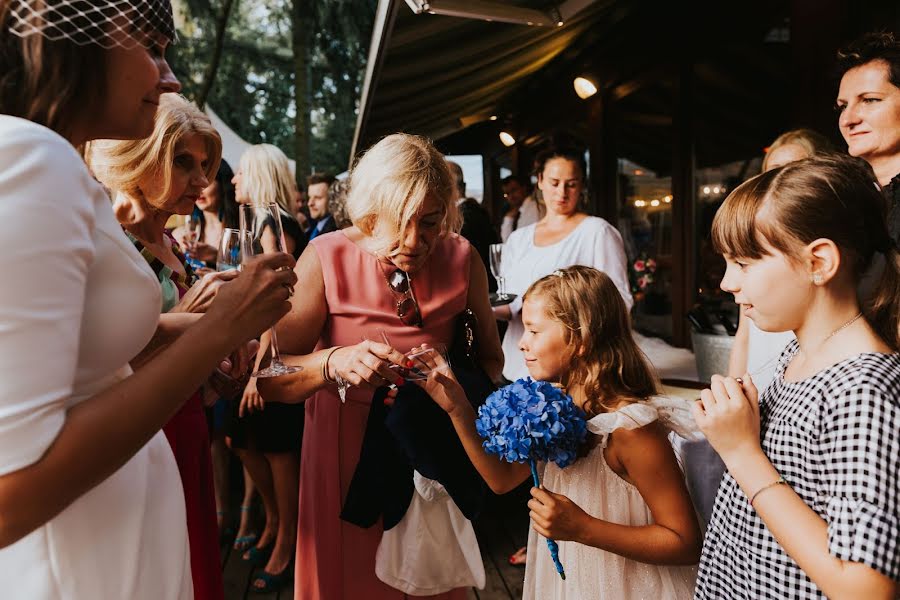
[530, 421]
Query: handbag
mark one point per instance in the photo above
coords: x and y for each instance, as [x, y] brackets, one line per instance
[416, 434]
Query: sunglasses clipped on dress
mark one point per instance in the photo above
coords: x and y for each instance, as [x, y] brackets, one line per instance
[407, 307]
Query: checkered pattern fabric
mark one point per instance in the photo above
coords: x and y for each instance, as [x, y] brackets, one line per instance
[835, 438]
[106, 23]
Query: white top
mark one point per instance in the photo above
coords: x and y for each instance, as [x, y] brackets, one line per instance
[763, 350]
[77, 303]
[529, 214]
[591, 484]
[593, 243]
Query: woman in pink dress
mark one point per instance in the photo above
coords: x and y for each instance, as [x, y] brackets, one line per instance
[401, 270]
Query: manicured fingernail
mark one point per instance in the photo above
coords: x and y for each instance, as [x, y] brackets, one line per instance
[409, 364]
[399, 382]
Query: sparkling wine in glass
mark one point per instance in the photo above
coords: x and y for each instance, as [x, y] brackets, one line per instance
[192, 235]
[229, 256]
[496, 254]
[261, 232]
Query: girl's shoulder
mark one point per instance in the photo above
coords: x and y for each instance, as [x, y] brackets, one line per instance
[672, 413]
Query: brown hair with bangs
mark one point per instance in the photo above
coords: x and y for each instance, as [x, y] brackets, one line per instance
[827, 196]
[47, 81]
[606, 360]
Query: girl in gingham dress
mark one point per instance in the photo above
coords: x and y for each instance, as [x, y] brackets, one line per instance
[809, 505]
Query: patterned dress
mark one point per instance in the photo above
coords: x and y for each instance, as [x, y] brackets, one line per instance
[835, 438]
[189, 438]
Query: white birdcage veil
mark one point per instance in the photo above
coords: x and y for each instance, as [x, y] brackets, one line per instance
[106, 23]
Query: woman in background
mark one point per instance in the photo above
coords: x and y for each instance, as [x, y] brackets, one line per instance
[267, 435]
[153, 179]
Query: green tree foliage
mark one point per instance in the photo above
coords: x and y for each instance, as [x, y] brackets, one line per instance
[253, 91]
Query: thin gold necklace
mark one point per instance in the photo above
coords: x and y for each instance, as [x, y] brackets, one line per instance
[843, 327]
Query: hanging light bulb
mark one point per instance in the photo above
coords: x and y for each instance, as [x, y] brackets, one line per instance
[585, 88]
[507, 139]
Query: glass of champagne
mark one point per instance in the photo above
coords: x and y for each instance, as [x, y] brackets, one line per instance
[496, 254]
[261, 232]
[192, 235]
[229, 256]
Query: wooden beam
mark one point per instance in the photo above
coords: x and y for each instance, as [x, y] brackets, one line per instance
[684, 254]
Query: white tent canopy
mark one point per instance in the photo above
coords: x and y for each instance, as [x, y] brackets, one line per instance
[233, 145]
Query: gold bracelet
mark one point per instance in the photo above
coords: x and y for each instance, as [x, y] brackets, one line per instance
[325, 365]
[778, 481]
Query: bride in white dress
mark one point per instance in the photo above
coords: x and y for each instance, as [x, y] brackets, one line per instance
[621, 513]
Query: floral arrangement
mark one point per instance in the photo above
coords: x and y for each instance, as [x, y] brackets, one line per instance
[530, 421]
[642, 273]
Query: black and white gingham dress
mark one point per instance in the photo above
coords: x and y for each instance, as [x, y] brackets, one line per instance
[835, 438]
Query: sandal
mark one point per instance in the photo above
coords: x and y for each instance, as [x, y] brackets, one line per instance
[272, 581]
[518, 558]
[245, 542]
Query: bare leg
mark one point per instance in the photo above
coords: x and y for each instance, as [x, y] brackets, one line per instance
[285, 476]
[257, 466]
[220, 476]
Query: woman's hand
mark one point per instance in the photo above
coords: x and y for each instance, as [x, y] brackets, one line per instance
[251, 401]
[728, 415]
[555, 516]
[257, 298]
[366, 365]
[441, 384]
[202, 293]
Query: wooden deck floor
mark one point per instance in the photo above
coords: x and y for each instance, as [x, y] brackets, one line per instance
[501, 530]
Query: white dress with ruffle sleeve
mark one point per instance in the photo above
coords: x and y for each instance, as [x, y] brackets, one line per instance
[592, 573]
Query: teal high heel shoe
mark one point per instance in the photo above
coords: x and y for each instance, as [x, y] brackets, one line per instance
[258, 557]
[273, 581]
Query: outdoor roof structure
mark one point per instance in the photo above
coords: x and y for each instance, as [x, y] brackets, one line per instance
[444, 77]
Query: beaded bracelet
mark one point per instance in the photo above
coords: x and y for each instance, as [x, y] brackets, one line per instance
[325, 376]
[778, 481]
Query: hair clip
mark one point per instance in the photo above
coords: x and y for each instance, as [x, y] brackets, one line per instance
[557, 273]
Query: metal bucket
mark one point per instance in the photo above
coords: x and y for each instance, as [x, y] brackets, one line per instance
[711, 351]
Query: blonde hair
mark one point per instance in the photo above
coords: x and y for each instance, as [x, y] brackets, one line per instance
[121, 165]
[266, 177]
[389, 185]
[827, 196]
[811, 141]
[606, 360]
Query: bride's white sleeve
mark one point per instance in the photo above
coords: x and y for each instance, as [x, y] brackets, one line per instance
[46, 248]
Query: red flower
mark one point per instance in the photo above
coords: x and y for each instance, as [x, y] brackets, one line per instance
[639, 266]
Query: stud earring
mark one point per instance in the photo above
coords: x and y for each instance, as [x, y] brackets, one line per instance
[817, 279]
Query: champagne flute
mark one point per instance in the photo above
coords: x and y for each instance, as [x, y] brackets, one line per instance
[256, 220]
[229, 256]
[496, 255]
[192, 235]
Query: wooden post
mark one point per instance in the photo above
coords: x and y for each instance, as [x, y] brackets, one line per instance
[490, 185]
[604, 165]
[684, 252]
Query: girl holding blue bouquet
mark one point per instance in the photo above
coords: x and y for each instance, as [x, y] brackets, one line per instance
[621, 513]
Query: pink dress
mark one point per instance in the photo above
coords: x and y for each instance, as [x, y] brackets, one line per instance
[336, 560]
